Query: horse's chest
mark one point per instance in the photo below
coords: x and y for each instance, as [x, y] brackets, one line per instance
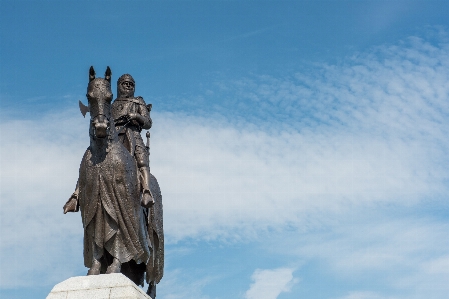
[96, 165]
[115, 165]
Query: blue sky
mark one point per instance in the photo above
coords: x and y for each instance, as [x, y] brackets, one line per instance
[301, 146]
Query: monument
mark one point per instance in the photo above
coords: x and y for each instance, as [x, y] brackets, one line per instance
[119, 199]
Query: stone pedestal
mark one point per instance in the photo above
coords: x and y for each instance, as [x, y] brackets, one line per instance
[106, 286]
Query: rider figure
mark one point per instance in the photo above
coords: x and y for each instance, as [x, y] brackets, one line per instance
[131, 115]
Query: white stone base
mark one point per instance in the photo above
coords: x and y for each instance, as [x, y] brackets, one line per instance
[105, 286]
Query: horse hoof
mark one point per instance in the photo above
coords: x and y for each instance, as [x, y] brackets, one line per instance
[115, 267]
[151, 290]
[95, 269]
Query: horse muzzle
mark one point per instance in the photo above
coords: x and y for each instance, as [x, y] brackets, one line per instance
[101, 127]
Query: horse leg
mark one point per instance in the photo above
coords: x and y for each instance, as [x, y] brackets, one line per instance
[115, 267]
[95, 269]
[151, 290]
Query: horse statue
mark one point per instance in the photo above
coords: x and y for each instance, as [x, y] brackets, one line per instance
[122, 234]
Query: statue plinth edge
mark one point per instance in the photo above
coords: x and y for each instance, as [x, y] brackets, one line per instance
[104, 286]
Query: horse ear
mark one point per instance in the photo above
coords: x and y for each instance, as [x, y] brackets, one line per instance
[91, 73]
[107, 74]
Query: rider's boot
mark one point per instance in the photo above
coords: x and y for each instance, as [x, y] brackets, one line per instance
[115, 267]
[147, 197]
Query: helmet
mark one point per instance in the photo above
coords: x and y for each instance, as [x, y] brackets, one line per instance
[126, 77]
[125, 90]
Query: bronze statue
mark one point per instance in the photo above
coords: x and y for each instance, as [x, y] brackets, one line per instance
[120, 201]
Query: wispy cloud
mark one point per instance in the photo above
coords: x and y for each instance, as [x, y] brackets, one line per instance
[268, 284]
[364, 295]
[179, 284]
[218, 177]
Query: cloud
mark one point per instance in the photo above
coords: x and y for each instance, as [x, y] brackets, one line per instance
[268, 284]
[216, 177]
[378, 245]
[180, 285]
[39, 165]
[374, 254]
[304, 152]
[364, 295]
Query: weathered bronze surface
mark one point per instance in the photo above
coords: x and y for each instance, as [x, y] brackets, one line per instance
[119, 199]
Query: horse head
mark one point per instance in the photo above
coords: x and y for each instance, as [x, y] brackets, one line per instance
[99, 96]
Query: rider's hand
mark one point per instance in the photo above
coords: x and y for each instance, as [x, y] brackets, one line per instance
[135, 116]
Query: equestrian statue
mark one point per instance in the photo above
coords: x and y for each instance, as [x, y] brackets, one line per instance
[119, 199]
